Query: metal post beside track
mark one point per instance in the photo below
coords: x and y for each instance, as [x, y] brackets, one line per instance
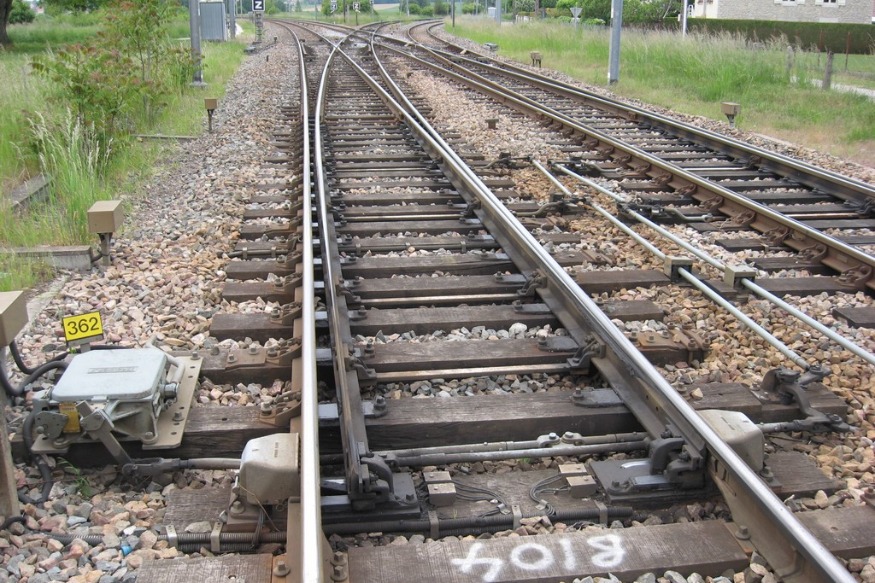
[614, 54]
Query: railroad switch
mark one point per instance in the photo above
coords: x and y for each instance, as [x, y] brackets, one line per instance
[582, 360]
[269, 469]
[441, 490]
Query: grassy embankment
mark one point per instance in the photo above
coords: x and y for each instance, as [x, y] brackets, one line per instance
[694, 75]
[68, 156]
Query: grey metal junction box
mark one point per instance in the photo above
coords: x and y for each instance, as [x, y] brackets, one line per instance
[213, 21]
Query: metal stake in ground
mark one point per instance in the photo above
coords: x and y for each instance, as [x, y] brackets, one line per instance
[614, 54]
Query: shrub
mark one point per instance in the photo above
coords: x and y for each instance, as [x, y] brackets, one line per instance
[97, 82]
[21, 13]
[425, 11]
[855, 38]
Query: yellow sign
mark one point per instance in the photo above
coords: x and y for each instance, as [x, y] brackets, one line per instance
[69, 409]
[82, 326]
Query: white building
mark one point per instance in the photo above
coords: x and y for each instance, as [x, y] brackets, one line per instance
[844, 11]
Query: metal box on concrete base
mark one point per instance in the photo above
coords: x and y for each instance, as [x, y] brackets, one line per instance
[105, 216]
[13, 316]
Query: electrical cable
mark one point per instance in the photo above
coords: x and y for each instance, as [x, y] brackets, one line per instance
[32, 377]
[16, 356]
[475, 494]
[27, 432]
[41, 463]
[4, 379]
[540, 488]
[19, 360]
[256, 534]
[12, 520]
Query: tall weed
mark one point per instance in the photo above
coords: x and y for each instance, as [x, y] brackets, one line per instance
[76, 160]
[18, 92]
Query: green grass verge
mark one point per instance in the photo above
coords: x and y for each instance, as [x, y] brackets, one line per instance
[20, 92]
[72, 159]
[695, 74]
[47, 31]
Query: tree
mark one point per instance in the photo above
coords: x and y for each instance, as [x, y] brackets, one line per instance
[73, 5]
[21, 13]
[5, 11]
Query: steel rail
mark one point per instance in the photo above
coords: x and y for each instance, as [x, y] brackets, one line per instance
[750, 284]
[838, 254]
[311, 504]
[353, 435]
[802, 172]
[793, 551]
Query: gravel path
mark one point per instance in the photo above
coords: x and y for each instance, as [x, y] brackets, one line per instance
[164, 284]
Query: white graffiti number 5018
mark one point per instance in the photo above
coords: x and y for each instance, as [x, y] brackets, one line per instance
[530, 556]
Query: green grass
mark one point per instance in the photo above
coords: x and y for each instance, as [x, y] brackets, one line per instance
[17, 273]
[20, 92]
[82, 171]
[695, 74]
[185, 113]
[54, 32]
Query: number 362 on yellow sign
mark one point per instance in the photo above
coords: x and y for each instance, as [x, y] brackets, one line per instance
[82, 326]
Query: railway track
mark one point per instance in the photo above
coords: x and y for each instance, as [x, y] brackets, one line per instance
[389, 341]
[674, 172]
[434, 332]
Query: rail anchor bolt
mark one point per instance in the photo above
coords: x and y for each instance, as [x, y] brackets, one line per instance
[281, 569]
[338, 573]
